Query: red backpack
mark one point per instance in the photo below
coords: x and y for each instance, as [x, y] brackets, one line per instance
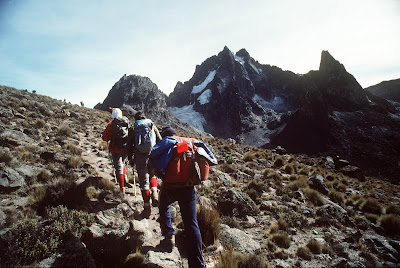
[186, 166]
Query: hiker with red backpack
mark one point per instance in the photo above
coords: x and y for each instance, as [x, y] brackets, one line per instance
[140, 142]
[181, 163]
[117, 133]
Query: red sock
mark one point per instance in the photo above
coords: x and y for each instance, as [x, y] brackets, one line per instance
[125, 170]
[121, 180]
[153, 182]
[146, 196]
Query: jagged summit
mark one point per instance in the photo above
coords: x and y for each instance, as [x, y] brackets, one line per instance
[231, 95]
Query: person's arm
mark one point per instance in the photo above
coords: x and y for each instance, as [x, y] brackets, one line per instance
[130, 145]
[106, 135]
[158, 135]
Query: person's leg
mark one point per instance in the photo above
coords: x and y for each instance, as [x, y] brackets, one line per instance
[143, 174]
[165, 215]
[187, 204]
[154, 191]
[118, 159]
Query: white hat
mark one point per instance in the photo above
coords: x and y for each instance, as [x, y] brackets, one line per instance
[116, 113]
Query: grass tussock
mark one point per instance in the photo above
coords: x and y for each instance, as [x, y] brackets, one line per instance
[136, 259]
[313, 196]
[304, 253]
[371, 205]
[279, 162]
[64, 131]
[232, 259]
[391, 223]
[281, 239]
[314, 246]
[209, 224]
[392, 209]
[75, 161]
[336, 196]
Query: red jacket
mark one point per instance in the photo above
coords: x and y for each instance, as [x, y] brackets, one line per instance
[107, 136]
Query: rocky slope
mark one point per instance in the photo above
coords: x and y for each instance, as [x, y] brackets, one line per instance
[60, 206]
[389, 90]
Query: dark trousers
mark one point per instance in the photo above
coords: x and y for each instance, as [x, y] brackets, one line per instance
[186, 198]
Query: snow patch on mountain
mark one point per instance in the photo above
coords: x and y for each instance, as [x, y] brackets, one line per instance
[188, 115]
[277, 103]
[205, 97]
[246, 74]
[202, 86]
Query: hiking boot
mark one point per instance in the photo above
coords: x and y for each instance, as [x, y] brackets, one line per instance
[146, 211]
[154, 196]
[168, 243]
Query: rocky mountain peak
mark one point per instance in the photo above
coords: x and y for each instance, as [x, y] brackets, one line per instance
[329, 64]
[243, 54]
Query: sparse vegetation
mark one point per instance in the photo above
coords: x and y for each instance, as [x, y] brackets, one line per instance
[209, 224]
[371, 205]
[281, 239]
[391, 223]
[313, 196]
[304, 253]
[314, 246]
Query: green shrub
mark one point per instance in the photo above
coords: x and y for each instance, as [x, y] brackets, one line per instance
[372, 205]
[391, 223]
[209, 224]
[31, 240]
[304, 253]
[281, 239]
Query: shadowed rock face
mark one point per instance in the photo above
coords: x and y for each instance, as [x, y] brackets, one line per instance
[389, 90]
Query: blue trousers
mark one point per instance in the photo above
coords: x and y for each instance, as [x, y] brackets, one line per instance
[186, 198]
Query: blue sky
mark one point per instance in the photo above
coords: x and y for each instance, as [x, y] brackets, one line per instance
[79, 49]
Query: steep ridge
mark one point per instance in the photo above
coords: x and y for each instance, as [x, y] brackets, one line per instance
[389, 90]
[315, 113]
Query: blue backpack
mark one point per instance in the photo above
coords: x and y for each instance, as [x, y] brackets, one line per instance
[145, 137]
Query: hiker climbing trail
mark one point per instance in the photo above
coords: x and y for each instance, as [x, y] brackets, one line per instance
[127, 211]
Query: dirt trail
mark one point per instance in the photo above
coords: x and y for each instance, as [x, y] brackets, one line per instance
[100, 162]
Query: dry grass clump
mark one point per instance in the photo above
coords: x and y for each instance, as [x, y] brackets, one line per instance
[279, 162]
[76, 161]
[392, 209]
[5, 156]
[281, 239]
[313, 196]
[353, 200]
[136, 259]
[371, 205]
[391, 223]
[209, 224]
[73, 149]
[40, 123]
[314, 246]
[304, 253]
[44, 176]
[232, 259]
[336, 196]
[64, 131]
[227, 168]
[289, 168]
[299, 183]
[92, 192]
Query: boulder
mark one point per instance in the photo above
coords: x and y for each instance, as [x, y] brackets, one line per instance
[380, 245]
[164, 259]
[232, 203]
[14, 138]
[317, 183]
[239, 240]
[10, 180]
[354, 172]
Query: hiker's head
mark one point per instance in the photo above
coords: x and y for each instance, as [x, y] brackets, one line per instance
[167, 131]
[139, 115]
[116, 113]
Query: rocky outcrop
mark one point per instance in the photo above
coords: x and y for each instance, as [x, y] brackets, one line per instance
[389, 90]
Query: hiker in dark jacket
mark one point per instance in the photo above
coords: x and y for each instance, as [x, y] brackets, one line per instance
[118, 153]
[139, 147]
[186, 197]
